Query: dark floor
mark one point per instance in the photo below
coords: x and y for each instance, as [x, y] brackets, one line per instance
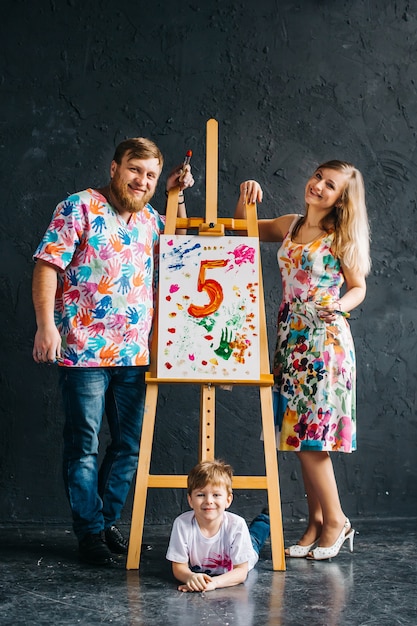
[41, 582]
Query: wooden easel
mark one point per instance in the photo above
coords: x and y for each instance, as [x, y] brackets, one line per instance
[211, 226]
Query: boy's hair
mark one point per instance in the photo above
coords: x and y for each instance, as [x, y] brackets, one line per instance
[215, 472]
[138, 148]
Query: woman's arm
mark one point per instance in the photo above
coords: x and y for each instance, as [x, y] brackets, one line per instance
[353, 296]
[355, 289]
[269, 229]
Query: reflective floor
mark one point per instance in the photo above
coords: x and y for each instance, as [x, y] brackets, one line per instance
[42, 582]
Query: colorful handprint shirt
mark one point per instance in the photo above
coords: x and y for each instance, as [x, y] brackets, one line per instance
[215, 555]
[104, 302]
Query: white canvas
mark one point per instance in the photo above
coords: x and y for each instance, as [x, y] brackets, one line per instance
[208, 311]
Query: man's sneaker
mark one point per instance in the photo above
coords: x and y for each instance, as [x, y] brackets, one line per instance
[115, 540]
[93, 549]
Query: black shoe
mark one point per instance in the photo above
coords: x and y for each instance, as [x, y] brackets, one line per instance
[115, 540]
[93, 549]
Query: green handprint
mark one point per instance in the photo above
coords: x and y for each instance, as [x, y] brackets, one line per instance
[207, 323]
[225, 350]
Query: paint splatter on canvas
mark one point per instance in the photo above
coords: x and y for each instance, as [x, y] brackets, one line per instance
[208, 321]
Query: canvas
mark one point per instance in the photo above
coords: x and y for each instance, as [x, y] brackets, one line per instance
[208, 311]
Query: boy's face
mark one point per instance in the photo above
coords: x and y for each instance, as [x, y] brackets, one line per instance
[210, 502]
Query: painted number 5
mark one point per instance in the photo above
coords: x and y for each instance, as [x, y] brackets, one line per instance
[211, 287]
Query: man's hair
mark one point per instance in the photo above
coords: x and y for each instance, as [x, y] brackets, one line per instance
[138, 148]
[215, 472]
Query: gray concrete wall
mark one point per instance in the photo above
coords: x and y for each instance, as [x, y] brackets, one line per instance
[292, 83]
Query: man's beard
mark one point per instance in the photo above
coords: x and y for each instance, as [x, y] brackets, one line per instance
[119, 192]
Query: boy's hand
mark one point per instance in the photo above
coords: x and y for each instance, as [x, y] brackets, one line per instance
[198, 582]
[211, 586]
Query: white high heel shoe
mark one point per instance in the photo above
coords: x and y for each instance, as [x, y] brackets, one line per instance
[299, 552]
[319, 553]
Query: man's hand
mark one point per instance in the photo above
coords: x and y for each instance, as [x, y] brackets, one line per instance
[47, 345]
[180, 177]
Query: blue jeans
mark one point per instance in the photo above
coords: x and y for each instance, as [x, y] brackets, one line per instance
[259, 530]
[97, 495]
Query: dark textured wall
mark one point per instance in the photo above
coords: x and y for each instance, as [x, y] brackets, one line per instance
[292, 83]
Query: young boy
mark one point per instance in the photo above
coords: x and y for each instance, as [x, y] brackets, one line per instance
[210, 547]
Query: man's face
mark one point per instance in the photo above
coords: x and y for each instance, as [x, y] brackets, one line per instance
[133, 182]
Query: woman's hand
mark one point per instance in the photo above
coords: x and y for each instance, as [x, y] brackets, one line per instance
[326, 314]
[251, 191]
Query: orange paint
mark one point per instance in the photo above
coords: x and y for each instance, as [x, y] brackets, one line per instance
[211, 287]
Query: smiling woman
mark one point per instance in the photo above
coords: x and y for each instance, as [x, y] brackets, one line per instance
[325, 187]
[314, 362]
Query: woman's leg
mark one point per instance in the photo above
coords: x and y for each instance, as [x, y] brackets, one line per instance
[322, 493]
[315, 513]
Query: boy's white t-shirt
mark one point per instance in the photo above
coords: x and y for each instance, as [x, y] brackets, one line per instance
[216, 555]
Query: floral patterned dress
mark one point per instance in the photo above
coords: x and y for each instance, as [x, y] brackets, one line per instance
[314, 362]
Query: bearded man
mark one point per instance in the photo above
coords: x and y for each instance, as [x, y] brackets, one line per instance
[93, 295]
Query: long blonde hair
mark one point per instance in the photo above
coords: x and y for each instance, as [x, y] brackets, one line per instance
[349, 219]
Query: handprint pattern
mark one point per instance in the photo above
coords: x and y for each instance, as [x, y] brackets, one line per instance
[106, 279]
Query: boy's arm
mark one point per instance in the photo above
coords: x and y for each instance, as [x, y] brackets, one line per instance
[193, 581]
[202, 582]
[236, 576]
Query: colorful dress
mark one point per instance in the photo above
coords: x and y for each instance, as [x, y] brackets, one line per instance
[314, 362]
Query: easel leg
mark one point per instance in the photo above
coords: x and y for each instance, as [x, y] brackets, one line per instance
[142, 477]
[271, 465]
[207, 422]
